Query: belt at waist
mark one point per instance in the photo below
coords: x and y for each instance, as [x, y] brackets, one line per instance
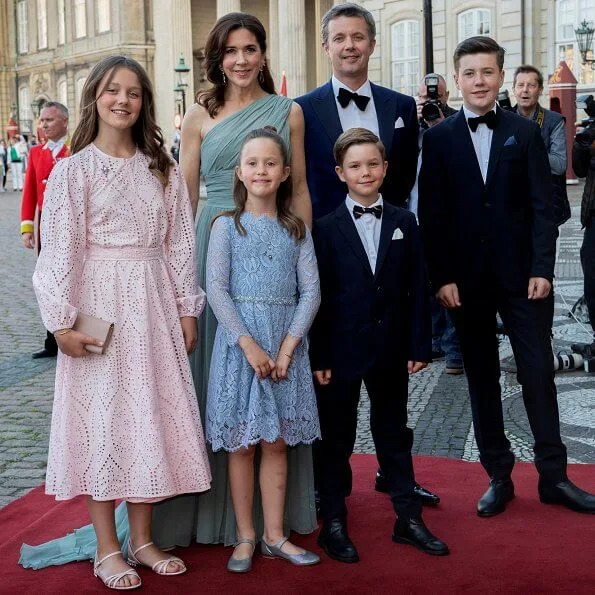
[124, 253]
[277, 301]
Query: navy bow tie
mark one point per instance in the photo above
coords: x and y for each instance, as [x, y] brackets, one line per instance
[359, 211]
[345, 96]
[490, 120]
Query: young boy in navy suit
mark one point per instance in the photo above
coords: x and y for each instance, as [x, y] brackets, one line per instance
[373, 326]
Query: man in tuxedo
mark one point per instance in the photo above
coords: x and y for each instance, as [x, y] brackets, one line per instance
[373, 326]
[42, 158]
[350, 100]
[488, 226]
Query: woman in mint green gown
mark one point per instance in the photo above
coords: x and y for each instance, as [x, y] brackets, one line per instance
[242, 98]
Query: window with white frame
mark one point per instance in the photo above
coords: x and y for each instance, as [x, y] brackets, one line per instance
[42, 24]
[103, 16]
[24, 107]
[63, 92]
[477, 21]
[405, 56]
[61, 22]
[569, 15]
[80, 18]
[23, 24]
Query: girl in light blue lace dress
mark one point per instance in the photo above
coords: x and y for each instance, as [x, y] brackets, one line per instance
[263, 286]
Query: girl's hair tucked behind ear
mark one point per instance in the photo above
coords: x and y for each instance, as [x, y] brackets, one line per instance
[145, 132]
[293, 224]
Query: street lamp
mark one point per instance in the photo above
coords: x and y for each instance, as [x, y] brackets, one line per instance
[584, 37]
[182, 71]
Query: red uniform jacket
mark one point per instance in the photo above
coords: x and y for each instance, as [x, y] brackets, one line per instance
[39, 165]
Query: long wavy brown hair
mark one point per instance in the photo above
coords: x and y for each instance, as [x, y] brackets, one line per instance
[214, 98]
[293, 224]
[145, 132]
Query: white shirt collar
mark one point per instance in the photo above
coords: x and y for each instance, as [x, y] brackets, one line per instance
[51, 144]
[350, 203]
[365, 89]
[469, 114]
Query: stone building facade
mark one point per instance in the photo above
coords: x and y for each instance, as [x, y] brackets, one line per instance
[48, 46]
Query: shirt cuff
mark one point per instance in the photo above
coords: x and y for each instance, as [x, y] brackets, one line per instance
[27, 226]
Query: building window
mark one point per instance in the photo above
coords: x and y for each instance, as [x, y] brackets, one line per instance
[63, 92]
[474, 22]
[405, 56]
[569, 15]
[103, 16]
[23, 24]
[80, 18]
[61, 22]
[42, 24]
[24, 110]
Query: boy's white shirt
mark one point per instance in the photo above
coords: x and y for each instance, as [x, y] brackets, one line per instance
[368, 228]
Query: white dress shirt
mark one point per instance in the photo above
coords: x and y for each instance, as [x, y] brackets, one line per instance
[368, 228]
[353, 117]
[482, 142]
[55, 146]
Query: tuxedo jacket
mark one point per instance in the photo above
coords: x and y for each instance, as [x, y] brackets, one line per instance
[503, 229]
[368, 319]
[39, 166]
[398, 127]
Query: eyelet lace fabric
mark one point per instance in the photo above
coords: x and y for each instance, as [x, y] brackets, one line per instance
[117, 246]
[264, 285]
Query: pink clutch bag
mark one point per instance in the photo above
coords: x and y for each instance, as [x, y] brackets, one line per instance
[96, 328]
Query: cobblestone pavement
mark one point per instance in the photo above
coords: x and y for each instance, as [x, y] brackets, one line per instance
[439, 406]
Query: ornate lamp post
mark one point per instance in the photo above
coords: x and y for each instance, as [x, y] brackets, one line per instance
[584, 38]
[182, 70]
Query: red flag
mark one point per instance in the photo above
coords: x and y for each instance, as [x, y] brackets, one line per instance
[283, 89]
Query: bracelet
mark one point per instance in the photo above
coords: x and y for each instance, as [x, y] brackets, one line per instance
[287, 355]
[63, 331]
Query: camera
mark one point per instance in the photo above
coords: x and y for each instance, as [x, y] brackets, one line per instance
[504, 100]
[432, 109]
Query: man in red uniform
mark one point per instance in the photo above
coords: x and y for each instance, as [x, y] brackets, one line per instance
[42, 158]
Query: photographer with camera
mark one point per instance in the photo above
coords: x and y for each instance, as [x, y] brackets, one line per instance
[527, 88]
[432, 102]
[583, 163]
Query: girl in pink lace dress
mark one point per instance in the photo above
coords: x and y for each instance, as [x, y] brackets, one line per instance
[119, 245]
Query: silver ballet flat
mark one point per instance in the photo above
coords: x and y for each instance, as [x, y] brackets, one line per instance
[241, 564]
[274, 551]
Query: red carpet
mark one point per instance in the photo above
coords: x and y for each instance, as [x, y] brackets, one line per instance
[532, 548]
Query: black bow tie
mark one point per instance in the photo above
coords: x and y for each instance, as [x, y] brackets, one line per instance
[359, 211]
[345, 96]
[490, 120]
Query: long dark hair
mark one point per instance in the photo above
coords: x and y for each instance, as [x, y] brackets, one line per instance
[293, 224]
[214, 98]
[145, 132]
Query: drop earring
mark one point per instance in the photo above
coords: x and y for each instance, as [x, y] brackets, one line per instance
[261, 75]
[223, 76]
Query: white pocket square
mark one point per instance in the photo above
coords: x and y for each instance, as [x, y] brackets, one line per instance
[397, 234]
[399, 123]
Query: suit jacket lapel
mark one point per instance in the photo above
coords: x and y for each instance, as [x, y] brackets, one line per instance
[325, 106]
[501, 133]
[386, 115]
[347, 228]
[387, 228]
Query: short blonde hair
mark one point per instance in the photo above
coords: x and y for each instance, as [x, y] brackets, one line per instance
[356, 136]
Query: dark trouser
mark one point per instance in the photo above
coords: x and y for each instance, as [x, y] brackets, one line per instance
[337, 408]
[528, 324]
[444, 334]
[588, 262]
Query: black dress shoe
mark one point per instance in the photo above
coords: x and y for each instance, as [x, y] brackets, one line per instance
[44, 353]
[567, 494]
[334, 540]
[414, 532]
[497, 496]
[424, 495]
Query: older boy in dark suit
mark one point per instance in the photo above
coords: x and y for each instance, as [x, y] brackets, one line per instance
[486, 213]
[373, 326]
